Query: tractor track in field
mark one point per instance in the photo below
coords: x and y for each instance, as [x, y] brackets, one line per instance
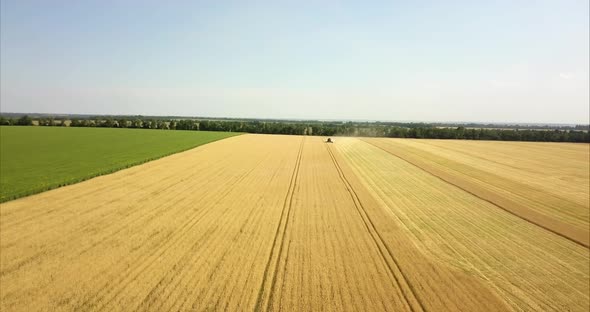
[511, 211]
[283, 223]
[409, 296]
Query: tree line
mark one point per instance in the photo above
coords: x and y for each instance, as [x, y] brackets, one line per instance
[319, 128]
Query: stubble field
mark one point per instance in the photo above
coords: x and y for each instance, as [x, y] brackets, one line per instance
[262, 222]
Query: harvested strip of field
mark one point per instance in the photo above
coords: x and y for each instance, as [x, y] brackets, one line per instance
[561, 169]
[341, 251]
[549, 210]
[36, 159]
[528, 267]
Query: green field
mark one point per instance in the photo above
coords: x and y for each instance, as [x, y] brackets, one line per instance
[35, 159]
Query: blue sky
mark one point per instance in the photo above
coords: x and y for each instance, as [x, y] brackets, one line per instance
[497, 61]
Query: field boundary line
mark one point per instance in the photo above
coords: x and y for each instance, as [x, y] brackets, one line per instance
[574, 240]
[283, 223]
[378, 240]
[56, 185]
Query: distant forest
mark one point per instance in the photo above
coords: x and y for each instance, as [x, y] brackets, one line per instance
[500, 132]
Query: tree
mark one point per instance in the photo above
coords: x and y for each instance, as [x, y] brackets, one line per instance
[460, 132]
[136, 123]
[109, 123]
[24, 121]
[122, 123]
[145, 124]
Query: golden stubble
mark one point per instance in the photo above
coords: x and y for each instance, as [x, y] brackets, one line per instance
[529, 267]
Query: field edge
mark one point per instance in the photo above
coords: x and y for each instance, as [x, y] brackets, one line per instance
[108, 171]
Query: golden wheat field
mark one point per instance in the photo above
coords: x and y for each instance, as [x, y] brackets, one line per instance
[269, 223]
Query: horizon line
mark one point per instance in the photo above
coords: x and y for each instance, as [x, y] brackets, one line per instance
[514, 123]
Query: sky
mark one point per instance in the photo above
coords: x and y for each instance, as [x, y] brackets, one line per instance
[478, 61]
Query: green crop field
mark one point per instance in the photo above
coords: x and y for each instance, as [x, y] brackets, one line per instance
[35, 159]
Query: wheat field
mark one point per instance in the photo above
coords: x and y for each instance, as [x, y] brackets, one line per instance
[268, 223]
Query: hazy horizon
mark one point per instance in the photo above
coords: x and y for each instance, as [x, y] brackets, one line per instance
[57, 114]
[457, 61]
